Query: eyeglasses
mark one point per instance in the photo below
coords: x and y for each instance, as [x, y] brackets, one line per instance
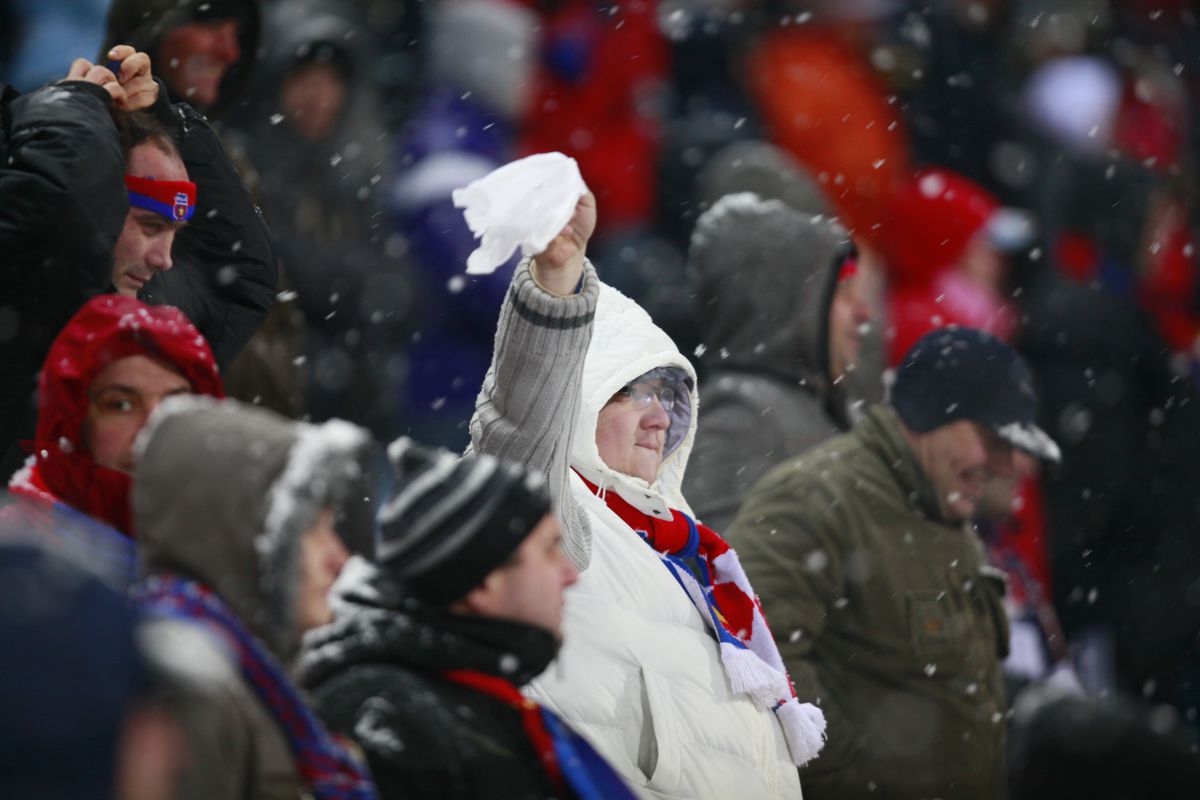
[641, 395]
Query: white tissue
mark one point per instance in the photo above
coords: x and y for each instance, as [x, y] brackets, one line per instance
[523, 204]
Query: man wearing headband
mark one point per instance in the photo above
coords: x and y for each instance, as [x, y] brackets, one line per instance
[668, 666]
[161, 201]
[62, 207]
[863, 549]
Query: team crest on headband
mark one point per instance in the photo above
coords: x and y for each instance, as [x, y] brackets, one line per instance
[181, 206]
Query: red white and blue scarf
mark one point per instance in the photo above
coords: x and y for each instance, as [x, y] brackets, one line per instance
[709, 571]
[328, 770]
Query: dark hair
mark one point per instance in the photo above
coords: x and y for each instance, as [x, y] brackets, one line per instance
[141, 127]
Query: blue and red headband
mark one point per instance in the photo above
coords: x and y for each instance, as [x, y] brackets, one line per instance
[175, 200]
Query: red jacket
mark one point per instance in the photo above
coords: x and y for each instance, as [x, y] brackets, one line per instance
[105, 329]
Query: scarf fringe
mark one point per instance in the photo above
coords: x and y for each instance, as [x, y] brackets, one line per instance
[804, 729]
[749, 674]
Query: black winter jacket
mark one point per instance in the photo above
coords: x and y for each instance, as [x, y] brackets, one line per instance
[62, 207]
[225, 269]
[374, 677]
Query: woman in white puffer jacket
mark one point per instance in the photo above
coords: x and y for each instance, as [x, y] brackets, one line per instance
[586, 387]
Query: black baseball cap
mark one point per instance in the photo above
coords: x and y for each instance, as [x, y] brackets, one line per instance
[958, 373]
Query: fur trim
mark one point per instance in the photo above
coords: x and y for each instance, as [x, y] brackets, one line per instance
[322, 465]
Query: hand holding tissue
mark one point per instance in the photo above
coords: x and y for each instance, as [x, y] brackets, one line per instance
[523, 204]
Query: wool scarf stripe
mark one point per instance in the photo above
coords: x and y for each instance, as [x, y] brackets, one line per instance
[328, 770]
[708, 570]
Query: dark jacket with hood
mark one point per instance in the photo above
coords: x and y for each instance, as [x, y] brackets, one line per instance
[223, 494]
[224, 272]
[1122, 510]
[375, 676]
[320, 198]
[143, 24]
[62, 208]
[225, 268]
[764, 276]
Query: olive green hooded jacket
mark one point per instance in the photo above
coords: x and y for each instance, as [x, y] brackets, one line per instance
[887, 612]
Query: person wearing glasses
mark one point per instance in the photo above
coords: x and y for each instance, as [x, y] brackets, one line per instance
[667, 667]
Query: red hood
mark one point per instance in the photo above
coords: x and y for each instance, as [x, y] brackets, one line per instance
[929, 223]
[105, 329]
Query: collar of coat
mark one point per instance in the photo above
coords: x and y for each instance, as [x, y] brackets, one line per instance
[880, 431]
[376, 623]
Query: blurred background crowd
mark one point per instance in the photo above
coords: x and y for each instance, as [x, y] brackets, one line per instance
[1028, 167]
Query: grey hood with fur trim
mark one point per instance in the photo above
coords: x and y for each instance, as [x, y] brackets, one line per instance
[223, 493]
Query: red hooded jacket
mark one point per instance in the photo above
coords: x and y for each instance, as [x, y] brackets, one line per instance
[105, 329]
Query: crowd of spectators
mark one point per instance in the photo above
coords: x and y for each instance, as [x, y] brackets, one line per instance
[253, 198]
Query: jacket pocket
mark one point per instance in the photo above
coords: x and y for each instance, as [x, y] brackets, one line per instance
[936, 628]
[658, 748]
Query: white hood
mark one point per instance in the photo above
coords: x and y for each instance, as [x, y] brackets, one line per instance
[626, 344]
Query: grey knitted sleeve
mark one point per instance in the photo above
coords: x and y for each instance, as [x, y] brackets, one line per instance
[527, 407]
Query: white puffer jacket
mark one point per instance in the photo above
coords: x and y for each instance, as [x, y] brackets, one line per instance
[640, 674]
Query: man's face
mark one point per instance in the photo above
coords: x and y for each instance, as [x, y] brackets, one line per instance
[144, 246]
[312, 98]
[530, 587]
[846, 317]
[121, 398]
[322, 556]
[960, 459]
[195, 57]
[999, 498]
[631, 431]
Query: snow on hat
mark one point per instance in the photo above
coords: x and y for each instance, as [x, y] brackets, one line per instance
[962, 373]
[453, 520]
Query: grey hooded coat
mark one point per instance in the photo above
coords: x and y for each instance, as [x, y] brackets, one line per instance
[223, 494]
[764, 276]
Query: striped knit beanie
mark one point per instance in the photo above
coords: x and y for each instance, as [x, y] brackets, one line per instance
[453, 520]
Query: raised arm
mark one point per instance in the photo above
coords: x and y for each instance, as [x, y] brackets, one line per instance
[62, 171]
[527, 407]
